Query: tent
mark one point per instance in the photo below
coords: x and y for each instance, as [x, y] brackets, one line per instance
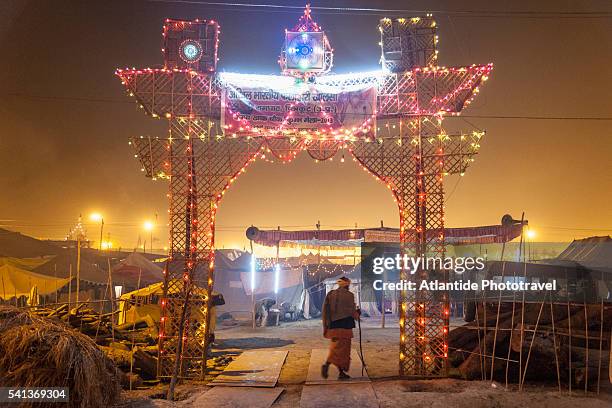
[233, 280]
[229, 266]
[15, 282]
[290, 286]
[60, 265]
[143, 305]
[128, 271]
[594, 253]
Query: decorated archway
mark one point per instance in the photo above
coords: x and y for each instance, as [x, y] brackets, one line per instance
[390, 120]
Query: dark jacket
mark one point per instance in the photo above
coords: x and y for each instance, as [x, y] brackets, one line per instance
[339, 306]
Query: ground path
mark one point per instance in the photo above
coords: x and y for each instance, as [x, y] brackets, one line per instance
[380, 347]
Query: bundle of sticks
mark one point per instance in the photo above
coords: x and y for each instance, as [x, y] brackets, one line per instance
[567, 343]
[131, 346]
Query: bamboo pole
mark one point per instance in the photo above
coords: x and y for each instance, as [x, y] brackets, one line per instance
[78, 269]
[3, 290]
[522, 328]
[55, 276]
[69, 287]
[133, 329]
[552, 318]
[498, 311]
[586, 356]
[569, 327]
[601, 319]
[522, 331]
[480, 350]
[531, 344]
[112, 298]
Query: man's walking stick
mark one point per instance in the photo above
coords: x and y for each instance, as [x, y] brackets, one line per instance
[363, 364]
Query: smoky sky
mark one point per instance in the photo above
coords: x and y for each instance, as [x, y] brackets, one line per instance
[65, 118]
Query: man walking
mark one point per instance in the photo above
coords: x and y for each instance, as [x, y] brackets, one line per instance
[339, 314]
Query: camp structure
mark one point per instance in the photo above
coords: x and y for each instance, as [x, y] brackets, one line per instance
[142, 307]
[136, 271]
[16, 283]
[296, 284]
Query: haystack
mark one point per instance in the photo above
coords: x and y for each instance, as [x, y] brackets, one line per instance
[41, 352]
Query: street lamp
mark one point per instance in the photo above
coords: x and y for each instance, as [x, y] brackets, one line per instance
[149, 226]
[531, 234]
[97, 217]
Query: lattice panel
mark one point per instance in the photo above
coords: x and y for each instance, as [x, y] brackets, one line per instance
[204, 33]
[418, 92]
[200, 170]
[322, 149]
[411, 161]
[410, 156]
[408, 42]
[173, 93]
[153, 156]
[285, 148]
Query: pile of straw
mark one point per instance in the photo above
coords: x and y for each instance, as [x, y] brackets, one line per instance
[41, 352]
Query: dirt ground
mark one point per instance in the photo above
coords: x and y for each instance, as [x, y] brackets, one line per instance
[380, 348]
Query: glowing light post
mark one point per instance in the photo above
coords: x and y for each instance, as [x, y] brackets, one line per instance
[531, 234]
[277, 275]
[253, 268]
[97, 217]
[276, 279]
[148, 226]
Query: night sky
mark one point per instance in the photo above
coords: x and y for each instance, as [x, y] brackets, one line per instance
[65, 118]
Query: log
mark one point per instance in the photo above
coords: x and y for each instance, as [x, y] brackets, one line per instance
[142, 361]
[130, 380]
[471, 368]
[577, 318]
[60, 310]
[139, 324]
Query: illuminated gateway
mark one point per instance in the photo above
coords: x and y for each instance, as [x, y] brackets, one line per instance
[389, 120]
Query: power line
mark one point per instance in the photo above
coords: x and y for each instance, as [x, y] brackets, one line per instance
[114, 100]
[378, 11]
[68, 98]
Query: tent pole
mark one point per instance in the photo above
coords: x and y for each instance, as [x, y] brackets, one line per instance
[55, 276]
[277, 271]
[382, 321]
[112, 299]
[78, 269]
[252, 280]
[69, 287]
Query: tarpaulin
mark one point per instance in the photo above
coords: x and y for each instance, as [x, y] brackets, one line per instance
[15, 281]
[346, 238]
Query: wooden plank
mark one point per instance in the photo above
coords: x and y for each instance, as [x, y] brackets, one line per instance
[245, 397]
[318, 357]
[254, 368]
[338, 395]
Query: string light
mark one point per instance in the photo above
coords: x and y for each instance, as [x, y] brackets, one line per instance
[413, 127]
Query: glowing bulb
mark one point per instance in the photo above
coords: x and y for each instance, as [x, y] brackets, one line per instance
[148, 225]
[531, 234]
[97, 217]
